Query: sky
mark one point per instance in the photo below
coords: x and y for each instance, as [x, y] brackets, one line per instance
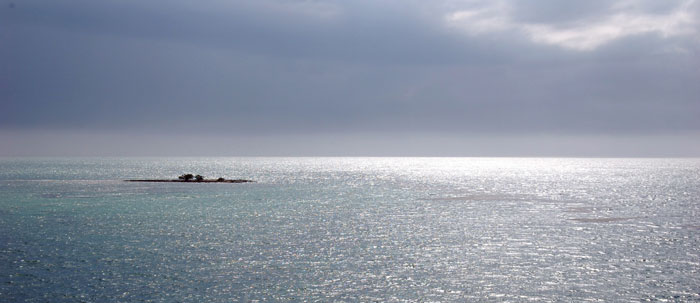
[350, 78]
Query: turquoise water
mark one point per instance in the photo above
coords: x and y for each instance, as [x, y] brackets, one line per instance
[350, 229]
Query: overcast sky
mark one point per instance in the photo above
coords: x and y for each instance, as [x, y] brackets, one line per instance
[398, 77]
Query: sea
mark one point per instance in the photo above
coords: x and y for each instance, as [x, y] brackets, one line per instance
[350, 230]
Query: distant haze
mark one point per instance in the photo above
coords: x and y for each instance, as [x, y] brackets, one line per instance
[364, 78]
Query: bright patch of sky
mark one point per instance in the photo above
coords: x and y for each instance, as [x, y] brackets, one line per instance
[623, 19]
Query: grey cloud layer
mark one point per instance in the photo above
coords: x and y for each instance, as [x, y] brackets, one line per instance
[351, 66]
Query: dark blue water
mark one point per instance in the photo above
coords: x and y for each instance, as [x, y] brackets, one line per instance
[350, 229]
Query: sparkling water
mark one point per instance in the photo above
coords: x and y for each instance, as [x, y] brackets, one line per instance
[350, 229]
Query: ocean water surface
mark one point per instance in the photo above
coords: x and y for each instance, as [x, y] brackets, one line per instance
[350, 229]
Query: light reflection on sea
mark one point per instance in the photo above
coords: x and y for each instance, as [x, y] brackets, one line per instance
[350, 229]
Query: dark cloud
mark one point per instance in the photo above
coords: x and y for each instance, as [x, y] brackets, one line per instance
[389, 67]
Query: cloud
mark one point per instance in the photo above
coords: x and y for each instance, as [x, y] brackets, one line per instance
[491, 18]
[391, 67]
[581, 35]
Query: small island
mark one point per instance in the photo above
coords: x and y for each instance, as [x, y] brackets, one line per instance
[190, 178]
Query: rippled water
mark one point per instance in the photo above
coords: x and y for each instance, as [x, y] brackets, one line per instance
[350, 229]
